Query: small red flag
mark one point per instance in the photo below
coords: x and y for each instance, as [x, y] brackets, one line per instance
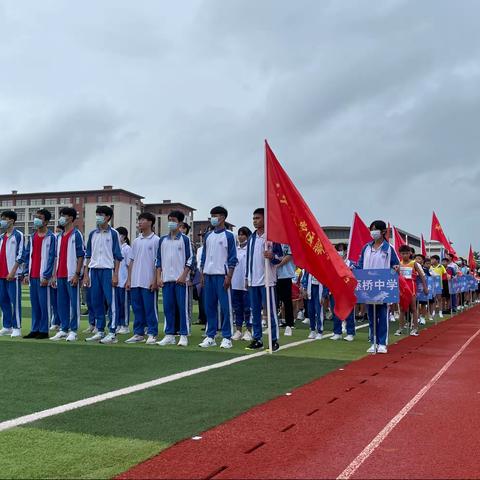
[359, 237]
[438, 235]
[398, 241]
[406, 294]
[472, 264]
[290, 221]
[424, 249]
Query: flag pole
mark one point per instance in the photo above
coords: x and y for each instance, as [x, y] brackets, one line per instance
[267, 263]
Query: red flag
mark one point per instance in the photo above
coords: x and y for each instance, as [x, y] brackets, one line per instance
[424, 250]
[438, 235]
[290, 221]
[359, 237]
[472, 264]
[398, 241]
[406, 294]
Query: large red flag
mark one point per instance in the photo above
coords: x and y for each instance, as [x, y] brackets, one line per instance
[472, 264]
[438, 235]
[290, 221]
[424, 249]
[398, 241]
[359, 237]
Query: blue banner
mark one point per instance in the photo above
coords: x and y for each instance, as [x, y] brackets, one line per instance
[424, 297]
[377, 286]
[437, 282]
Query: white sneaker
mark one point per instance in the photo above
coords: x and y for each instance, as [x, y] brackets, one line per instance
[167, 340]
[237, 335]
[312, 335]
[226, 343]
[396, 315]
[288, 331]
[16, 332]
[414, 332]
[183, 342]
[72, 337]
[151, 340]
[306, 321]
[440, 314]
[59, 336]
[247, 336]
[123, 330]
[318, 336]
[264, 323]
[135, 339]
[300, 315]
[336, 336]
[422, 321]
[433, 313]
[95, 338]
[349, 338]
[382, 349]
[371, 349]
[399, 332]
[54, 328]
[5, 332]
[431, 319]
[208, 342]
[109, 339]
[90, 329]
[392, 317]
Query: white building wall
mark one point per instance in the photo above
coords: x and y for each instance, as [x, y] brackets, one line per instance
[124, 215]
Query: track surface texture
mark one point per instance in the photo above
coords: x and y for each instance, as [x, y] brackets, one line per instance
[320, 429]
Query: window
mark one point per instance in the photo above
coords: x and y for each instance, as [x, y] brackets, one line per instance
[99, 199]
[50, 201]
[22, 203]
[114, 198]
[36, 201]
[20, 217]
[64, 200]
[77, 200]
[7, 203]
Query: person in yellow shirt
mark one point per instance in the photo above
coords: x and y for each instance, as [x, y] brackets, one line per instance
[439, 270]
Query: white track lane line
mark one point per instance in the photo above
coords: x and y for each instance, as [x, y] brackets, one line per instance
[370, 448]
[50, 412]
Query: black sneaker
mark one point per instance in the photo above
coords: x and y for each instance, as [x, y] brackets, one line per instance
[275, 346]
[255, 345]
[32, 335]
[42, 335]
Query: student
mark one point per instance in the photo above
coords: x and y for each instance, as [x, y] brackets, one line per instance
[378, 254]
[40, 254]
[285, 275]
[122, 296]
[445, 286]
[185, 229]
[219, 259]
[256, 278]
[101, 273]
[240, 299]
[174, 262]
[54, 317]
[437, 269]
[341, 248]
[314, 293]
[68, 271]
[427, 268]
[452, 270]
[410, 270]
[11, 260]
[423, 305]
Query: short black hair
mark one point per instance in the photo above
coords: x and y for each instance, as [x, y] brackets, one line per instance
[341, 245]
[428, 259]
[69, 212]
[244, 231]
[148, 216]
[219, 210]
[259, 211]
[421, 256]
[180, 216]
[444, 259]
[405, 248]
[105, 210]
[378, 225]
[123, 231]
[436, 257]
[46, 214]
[186, 226]
[10, 214]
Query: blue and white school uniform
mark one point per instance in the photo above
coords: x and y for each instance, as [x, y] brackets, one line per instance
[240, 297]
[54, 317]
[256, 282]
[103, 250]
[40, 296]
[219, 254]
[122, 296]
[144, 301]
[174, 254]
[68, 296]
[383, 257]
[315, 292]
[11, 292]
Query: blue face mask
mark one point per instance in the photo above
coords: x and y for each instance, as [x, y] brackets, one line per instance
[172, 226]
[214, 221]
[4, 224]
[37, 223]
[62, 221]
[100, 219]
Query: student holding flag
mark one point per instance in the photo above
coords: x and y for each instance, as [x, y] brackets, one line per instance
[375, 255]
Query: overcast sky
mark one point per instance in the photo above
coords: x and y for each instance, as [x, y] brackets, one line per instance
[371, 106]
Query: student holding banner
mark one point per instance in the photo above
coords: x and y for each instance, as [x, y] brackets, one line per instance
[378, 254]
[438, 270]
[423, 303]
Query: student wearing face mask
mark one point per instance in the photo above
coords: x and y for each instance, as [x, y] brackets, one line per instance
[285, 276]
[11, 260]
[122, 296]
[54, 317]
[219, 259]
[378, 254]
[341, 248]
[175, 260]
[240, 299]
[40, 254]
[101, 273]
[68, 270]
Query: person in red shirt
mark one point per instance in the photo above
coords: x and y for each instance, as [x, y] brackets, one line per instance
[40, 260]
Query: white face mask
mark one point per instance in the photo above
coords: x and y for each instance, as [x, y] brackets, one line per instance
[376, 234]
[341, 253]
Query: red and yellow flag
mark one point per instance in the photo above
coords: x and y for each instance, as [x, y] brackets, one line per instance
[438, 235]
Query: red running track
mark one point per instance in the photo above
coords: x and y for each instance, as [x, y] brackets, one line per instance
[323, 426]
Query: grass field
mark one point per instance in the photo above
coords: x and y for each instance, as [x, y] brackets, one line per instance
[107, 438]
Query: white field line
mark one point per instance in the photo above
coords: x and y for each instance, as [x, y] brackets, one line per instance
[370, 448]
[50, 412]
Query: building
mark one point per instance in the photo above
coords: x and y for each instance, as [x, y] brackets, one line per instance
[201, 226]
[126, 206]
[161, 211]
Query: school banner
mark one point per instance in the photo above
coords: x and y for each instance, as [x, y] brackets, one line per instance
[377, 286]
